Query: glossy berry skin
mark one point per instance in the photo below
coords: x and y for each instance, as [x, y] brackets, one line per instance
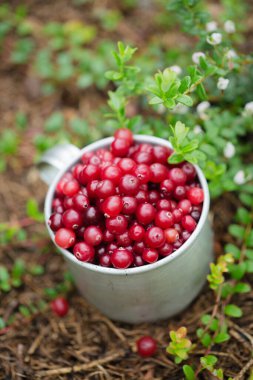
[105, 188]
[120, 147]
[179, 192]
[129, 185]
[83, 251]
[178, 176]
[138, 261]
[121, 258]
[145, 213]
[112, 172]
[92, 216]
[129, 205]
[143, 173]
[108, 237]
[177, 215]
[55, 222]
[60, 306]
[136, 232]
[72, 219]
[127, 165]
[159, 172]
[93, 235]
[105, 261]
[164, 219]
[154, 237]
[195, 195]
[112, 206]
[123, 240]
[166, 250]
[65, 238]
[143, 158]
[163, 204]
[89, 173]
[171, 235]
[167, 187]
[161, 154]
[189, 170]
[150, 255]
[80, 202]
[185, 206]
[142, 196]
[116, 225]
[125, 134]
[70, 188]
[188, 223]
[146, 346]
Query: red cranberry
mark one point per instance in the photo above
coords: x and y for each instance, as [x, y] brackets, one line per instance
[112, 206]
[153, 197]
[105, 261]
[120, 147]
[185, 235]
[111, 247]
[60, 306]
[104, 155]
[121, 258]
[80, 202]
[93, 235]
[159, 172]
[72, 219]
[55, 222]
[86, 156]
[166, 250]
[94, 160]
[108, 237]
[83, 251]
[145, 213]
[178, 176]
[116, 225]
[188, 223]
[91, 189]
[112, 172]
[164, 219]
[105, 188]
[171, 235]
[70, 188]
[189, 170]
[161, 154]
[150, 255]
[129, 205]
[59, 210]
[155, 237]
[173, 205]
[89, 173]
[65, 238]
[195, 195]
[125, 134]
[68, 202]
[143, 173]
[56, 203]
[127, 165]
[92, 216]
[185, 206]
[146, 346]
[167, 187]
[123, 240]
[136, 232]
[100, 251]
[178, 244]
[139, 247]
[179, 192]
[143, 158]
[77, 170]
[141, 196]
[138, 261]
[195, 214]
[80, 232]
[129, 184]
[163, 204]
[177, 214]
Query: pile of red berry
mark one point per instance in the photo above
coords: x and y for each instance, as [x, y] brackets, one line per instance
[126, 207]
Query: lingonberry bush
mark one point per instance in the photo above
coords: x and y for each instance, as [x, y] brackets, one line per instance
[203, 111]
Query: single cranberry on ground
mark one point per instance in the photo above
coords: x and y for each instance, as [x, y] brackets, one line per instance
[126, 206]
[146, 346]
[60, 306]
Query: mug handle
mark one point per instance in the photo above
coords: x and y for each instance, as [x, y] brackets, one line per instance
[54, 159]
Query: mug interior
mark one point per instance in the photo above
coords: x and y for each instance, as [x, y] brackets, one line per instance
[104, 143]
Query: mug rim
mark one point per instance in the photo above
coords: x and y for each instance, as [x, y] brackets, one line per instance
[103, 143]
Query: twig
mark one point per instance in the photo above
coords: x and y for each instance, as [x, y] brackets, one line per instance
[112, 326]
[244, 370]
[35, 344]
[81, 367]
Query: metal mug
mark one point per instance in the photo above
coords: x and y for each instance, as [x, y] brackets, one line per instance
[143, 294]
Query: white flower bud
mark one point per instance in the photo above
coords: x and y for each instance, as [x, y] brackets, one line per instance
[211, 26]
[229, 26]
[229, 150]
[222, 83]
[202, 107]
[180, 109]
[239, 178]
[214, 39]
[177, 69]
[197, 130]
[231, 54]
[196, 56]
[248, 109]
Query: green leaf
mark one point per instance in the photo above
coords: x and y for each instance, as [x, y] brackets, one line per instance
[236, 231]
[233, 311]
[249, 240]
[55, 122]
[2, 323]
[246, 199]
[237, 271]
[249, 266]
[185, 84]
[32, 210]
[189, 372]
[201, 92]
[243, 216]
[156, 100]
[249, 253]
[36, 270]
[18, 269]
[221, 337]
[208, 361]
[212, 323]
[24, 311]
[242, 287]
[231, 248]
[185, 99]
[113, 75]
[176, 158]
[205, 338]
